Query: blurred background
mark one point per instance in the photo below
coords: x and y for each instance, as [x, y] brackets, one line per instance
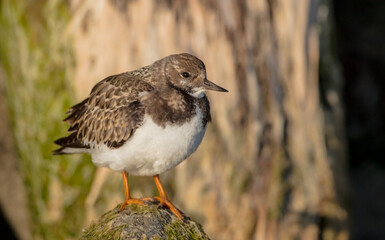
[294, 150]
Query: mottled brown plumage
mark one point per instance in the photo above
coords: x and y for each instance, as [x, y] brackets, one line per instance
[109, 115]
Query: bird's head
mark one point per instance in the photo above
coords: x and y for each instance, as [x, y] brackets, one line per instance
[187, 73]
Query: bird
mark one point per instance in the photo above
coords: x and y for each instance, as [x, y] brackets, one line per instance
[143, 122]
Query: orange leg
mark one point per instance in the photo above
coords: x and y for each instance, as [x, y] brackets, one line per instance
[125, 182]
[163, 199]
[128, 199]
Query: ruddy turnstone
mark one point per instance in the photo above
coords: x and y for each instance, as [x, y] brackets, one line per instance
[143, 122]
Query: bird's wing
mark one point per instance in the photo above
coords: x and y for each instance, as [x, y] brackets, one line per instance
[110, 115]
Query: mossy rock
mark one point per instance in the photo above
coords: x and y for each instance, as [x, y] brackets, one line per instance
[143, 222]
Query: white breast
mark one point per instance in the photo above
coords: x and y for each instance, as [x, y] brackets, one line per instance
[153, 149]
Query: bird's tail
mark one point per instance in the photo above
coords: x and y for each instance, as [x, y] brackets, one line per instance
[70, 145]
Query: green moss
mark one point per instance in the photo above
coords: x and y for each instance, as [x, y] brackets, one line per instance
[139, 209]
[178, 230]
[36, 59]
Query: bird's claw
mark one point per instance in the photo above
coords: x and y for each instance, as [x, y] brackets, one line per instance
[141, 202]
[169, 205]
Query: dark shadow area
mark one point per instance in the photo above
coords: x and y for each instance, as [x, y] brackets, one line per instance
[5, 229]
[360, 33]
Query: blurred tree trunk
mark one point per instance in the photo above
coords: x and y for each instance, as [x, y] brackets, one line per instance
[269, 167]
[13, 197]
[272, 163]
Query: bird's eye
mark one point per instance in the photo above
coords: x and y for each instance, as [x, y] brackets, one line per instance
[185, 74]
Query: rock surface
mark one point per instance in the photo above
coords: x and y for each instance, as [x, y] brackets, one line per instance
[143, 222]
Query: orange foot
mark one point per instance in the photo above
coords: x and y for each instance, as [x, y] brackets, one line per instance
[141, 202]
[169, 205]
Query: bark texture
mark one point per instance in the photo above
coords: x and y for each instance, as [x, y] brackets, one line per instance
[264, 160]
[271, 165]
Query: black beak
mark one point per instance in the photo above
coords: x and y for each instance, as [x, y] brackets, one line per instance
[212, 86]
